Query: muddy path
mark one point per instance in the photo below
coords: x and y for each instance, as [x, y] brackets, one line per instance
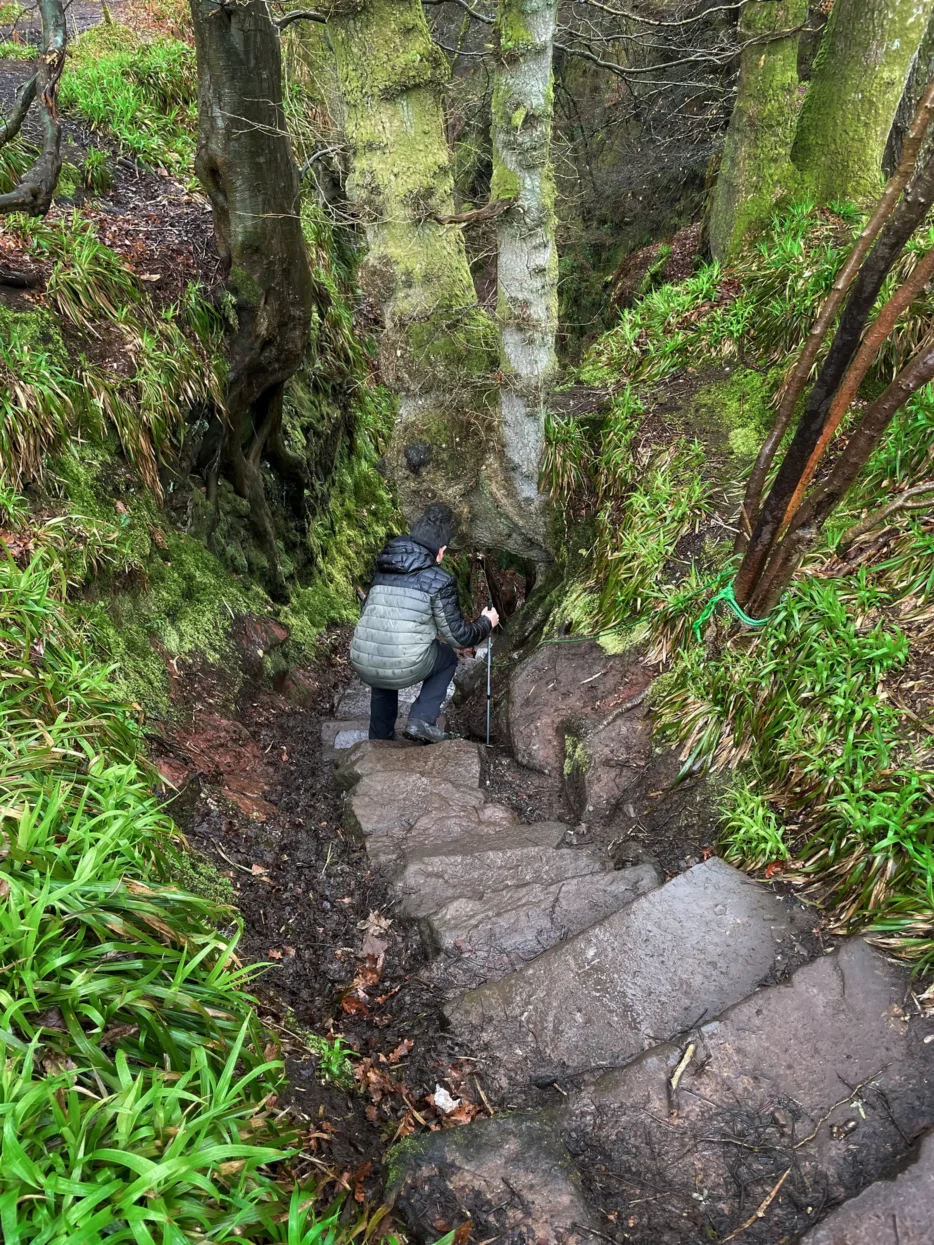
[253, 795]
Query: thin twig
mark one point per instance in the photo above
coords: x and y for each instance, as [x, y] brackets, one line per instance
[760, 1210]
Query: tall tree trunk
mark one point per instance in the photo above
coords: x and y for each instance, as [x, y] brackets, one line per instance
[860, 72]
[756, 167]
[527, 259]
[244, 162]
[438, 347]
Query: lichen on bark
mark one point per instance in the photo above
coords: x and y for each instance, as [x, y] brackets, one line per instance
[756, 167]
[438, 347]
[527, 271]
[866, 54]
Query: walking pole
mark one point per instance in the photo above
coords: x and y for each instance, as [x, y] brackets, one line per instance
[489, 677]
[489, 654]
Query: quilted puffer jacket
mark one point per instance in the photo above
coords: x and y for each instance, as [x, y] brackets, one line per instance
[411, 602]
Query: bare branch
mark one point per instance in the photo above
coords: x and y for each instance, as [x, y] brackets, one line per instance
[489, 211]
[300, 15]
[34, 193]
[480, 17]
[13, 123]
[918, 497]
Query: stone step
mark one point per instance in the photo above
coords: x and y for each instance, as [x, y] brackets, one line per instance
[814, 1088]
[440, 823]
[691, 949]
[510, 1177]
[454, 761]
[473, 866]
[897, 1211]
[511, 925]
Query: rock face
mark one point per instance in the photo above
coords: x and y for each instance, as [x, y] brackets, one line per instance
[702, 1101]
[826, 1078]
[899, 1211]
[509, 1176]
[699, 944]
[562, 682]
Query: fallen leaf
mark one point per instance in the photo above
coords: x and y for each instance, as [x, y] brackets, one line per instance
[777, 866]
[4, 888]
[258, 870]
[375, 947]
[401, 1051]
[354, 1006]
[274, 953]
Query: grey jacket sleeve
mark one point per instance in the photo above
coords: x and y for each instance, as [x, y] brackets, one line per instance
[451, 623]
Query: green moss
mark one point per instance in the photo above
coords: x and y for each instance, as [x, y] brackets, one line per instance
[504, 183]
[69, 180]
[399, 1156]
[576, 757]
[737, 410]
[195, 873]
[514, 38]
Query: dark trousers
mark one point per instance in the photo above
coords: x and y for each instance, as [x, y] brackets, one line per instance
[384, 702]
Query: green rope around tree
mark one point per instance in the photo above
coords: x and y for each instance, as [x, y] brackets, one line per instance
[726, 596]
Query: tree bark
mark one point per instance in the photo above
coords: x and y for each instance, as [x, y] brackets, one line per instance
[866, 54]
[34, 193]
[244, 161]
[438, 348]
[794, 386]
[756, 166]
[906, 217]
[527, 258]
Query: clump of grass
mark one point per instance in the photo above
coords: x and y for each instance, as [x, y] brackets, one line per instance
[141, 92]
[14, 50]
[135, 1082]
[15, 158]
[96, 173]
[762, 308]
[164, 371]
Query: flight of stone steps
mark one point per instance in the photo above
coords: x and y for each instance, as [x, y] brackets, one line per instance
[717, 1074]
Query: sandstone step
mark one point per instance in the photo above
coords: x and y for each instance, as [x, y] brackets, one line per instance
[898, 1211]
[688, 950]
[510, 1177]
[511, 925]
[814, 1087]
[455, 761]
[472, 865]
[440, 823]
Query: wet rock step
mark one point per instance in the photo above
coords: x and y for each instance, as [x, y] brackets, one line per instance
[688, 950]
[813, 1088]
[455, 761]
[898, 1211]
[510, 925]
[441, 823]
[510, 1177]
[472, 865]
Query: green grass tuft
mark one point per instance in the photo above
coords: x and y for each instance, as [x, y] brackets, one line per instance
[143, 93]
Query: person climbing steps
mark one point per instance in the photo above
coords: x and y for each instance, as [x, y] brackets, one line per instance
[412, 627]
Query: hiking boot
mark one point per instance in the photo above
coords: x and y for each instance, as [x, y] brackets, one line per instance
[425, 732]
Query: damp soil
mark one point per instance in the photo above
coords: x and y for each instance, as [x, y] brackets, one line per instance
[256, 798]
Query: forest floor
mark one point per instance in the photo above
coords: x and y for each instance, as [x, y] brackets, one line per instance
[254, 795]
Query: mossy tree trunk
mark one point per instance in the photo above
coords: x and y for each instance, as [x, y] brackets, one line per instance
[244, 161]
[860, 72]
[527, 260]
[438, 347]
[756, 167]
